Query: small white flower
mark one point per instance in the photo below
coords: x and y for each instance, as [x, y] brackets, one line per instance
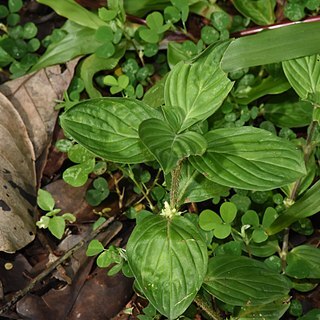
[169, 212]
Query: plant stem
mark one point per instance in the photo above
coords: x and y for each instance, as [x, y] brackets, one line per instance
[175, 176]
[308, 149]
[145, 193]
[206, 308]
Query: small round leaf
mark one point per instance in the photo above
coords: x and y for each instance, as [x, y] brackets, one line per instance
[209, 220]
[228, 211]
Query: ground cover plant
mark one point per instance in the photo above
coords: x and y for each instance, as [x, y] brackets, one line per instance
[209, 143]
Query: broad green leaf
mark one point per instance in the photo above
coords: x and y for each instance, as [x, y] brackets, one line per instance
[154, 96]
[74, 12]
[169, 261]
[108, 127]
[269, 85]
[303, 262]
[242, 281]
[199, 87]
[270, 311]
[167, 146]
[95, 247]
[306, 206]
[93, 64]
[78, 41]
[262, 250]
[45, 200]
[56, 226]
[249, 158]
[195, 187]
[271, 46]
[259, 11]
[287, 111]
[304, 77]
[175, 54]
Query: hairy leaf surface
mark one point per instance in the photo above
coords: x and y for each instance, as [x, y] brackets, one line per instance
[304, 76]
[108, 127]
[198, 86]
[169, 261]
[242, 281]
[249, 158]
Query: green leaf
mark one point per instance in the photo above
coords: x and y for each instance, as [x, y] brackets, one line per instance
[75, 12]
[95, 247]
[15, 5]
[259, 11]
[43, 222]
[242, 281]
[269, 85]
[303, 262]
[306, 206]
[108, 127]
[30, 30]
[167, 146]
[269, 216]
[56, 226]
[287, 111]
[78, 154]
[77, 175]
[110, 80]
[222, 231]
[259, 235]
[148, 35]
[106, 50]
[45, 200]
[69, 217]
[249, 158]
[104, 259]
[104, 34]
[270, 311]
[5, 58]
[78, 41]
[228, 211]
[107, 15]
[169, 260]
[313, 314]
[93, 64]
[209, 220]
[304, 76]
[271, 46]
[251, 218]
[199, 87]
[154, 20]
[154, 96]
[195, 187]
